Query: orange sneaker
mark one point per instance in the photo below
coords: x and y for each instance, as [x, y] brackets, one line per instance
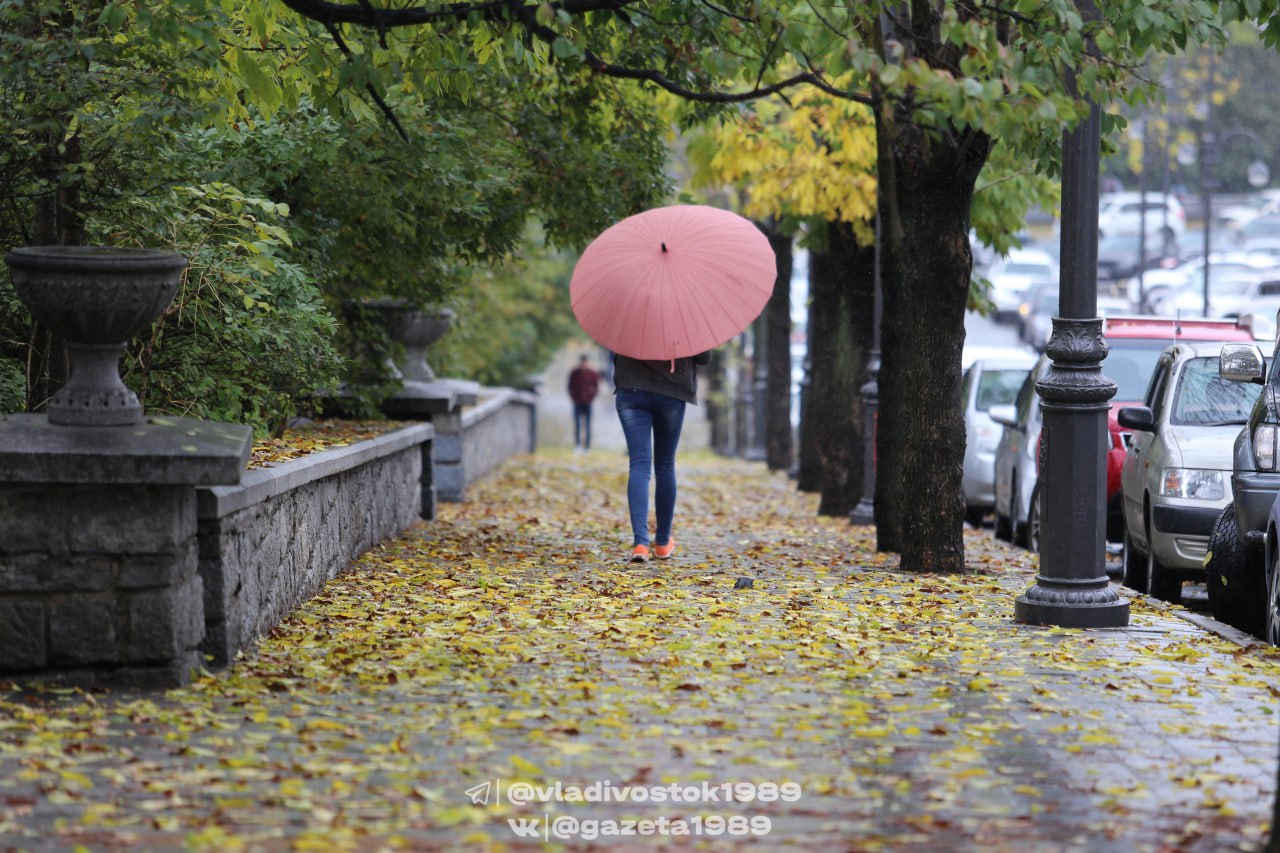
[640, 554]
[664, 552]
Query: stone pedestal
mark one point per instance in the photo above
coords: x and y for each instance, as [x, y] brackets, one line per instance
[99, 581]
[441, 402]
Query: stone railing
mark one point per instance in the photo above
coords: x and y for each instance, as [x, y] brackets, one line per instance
[271, 542]
[474, 440]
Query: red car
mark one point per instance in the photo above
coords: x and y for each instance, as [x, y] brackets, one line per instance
[1134, 345]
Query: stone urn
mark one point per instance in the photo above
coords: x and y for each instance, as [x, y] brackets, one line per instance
[414, 328]
[95, 298]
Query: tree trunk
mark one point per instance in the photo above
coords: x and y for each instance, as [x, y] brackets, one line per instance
[839, 344]
[57, 220]
[718, 404]
[742, 399]
[926, 187]
[809, 464]
[777, 355]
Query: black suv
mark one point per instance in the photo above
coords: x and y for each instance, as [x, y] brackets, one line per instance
[1235, 567]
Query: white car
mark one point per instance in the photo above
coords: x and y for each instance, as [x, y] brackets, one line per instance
[1165, 221]
[1176, 476]
[988, 382]
[1231, 293]
[1012, 275]
[1158, 285]
[1016, 466]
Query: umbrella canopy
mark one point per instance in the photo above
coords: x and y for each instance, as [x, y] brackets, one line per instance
[672, 282]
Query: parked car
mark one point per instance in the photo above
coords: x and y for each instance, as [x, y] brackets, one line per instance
[1135, 345]
[1123, 212]
[988, 382]
[1157, 285]
[1011, 276]
[1032, 302]
[1240, 554]
[1235, 216]
[1231, 292]
[1017, 468]
[1118, 255]
[1039, 323]
[1258, 231]
[1176, 476]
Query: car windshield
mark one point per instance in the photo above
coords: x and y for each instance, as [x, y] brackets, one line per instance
[998, 388]
[1130, 363]
[1047, 303]
[1026, 268]
[1205, 399]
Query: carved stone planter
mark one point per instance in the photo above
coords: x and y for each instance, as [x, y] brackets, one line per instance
[414, 328]
[95, 299]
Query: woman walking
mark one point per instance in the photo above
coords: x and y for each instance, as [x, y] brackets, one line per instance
[651, 399]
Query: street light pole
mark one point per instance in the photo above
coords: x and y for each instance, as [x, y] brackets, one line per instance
[865, 511]
[1072, 589]
[1208, 161]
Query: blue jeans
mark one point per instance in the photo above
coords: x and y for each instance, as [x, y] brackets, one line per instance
[651, 423]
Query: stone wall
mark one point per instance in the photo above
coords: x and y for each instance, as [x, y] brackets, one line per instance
[98, 583]
[473, 443]
[270, 543]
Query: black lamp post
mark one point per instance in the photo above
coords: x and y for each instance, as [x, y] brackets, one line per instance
[865, 511]
[1072, 589]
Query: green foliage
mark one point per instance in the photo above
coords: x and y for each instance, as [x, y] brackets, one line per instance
[79, 82]
[13, 386]
[248, 334]
[110, 133]
[511, 319]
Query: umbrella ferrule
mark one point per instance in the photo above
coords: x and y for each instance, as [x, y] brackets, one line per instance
[664, 247]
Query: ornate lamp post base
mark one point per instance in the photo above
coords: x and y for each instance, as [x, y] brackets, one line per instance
[1072, 589]
[1072, 604]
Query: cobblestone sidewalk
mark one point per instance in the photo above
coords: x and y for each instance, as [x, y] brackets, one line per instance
[435, 696]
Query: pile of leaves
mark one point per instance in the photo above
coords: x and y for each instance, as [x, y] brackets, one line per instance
[307, 437]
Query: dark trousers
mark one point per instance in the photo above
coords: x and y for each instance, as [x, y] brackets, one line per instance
[582, 425]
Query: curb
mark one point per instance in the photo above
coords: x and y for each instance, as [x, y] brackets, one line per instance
[1223, 630]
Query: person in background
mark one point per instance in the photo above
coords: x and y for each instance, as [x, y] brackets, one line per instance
[651, 399]
[584, 383]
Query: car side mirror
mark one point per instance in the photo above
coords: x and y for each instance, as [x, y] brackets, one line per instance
[1005, 415]
[1137, 418]
[1241, 363]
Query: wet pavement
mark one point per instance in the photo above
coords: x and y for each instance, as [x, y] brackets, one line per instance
[500, 679]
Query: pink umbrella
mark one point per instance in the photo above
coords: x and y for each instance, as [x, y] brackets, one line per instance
[672, 282]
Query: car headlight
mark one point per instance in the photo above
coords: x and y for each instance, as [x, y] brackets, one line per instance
[1192, 483]
[1264, 447]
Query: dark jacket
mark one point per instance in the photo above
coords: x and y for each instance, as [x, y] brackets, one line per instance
[674, 377]
[583, 384]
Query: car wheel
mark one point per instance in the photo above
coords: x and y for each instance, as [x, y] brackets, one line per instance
[1003, 529]
[1273, 600]
[1134, 565]
[975, 515]
[1033, 523]
[1234, 591]
[1162, 583]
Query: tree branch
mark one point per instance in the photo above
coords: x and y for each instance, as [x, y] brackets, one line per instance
[362, 13]
[373, 93]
